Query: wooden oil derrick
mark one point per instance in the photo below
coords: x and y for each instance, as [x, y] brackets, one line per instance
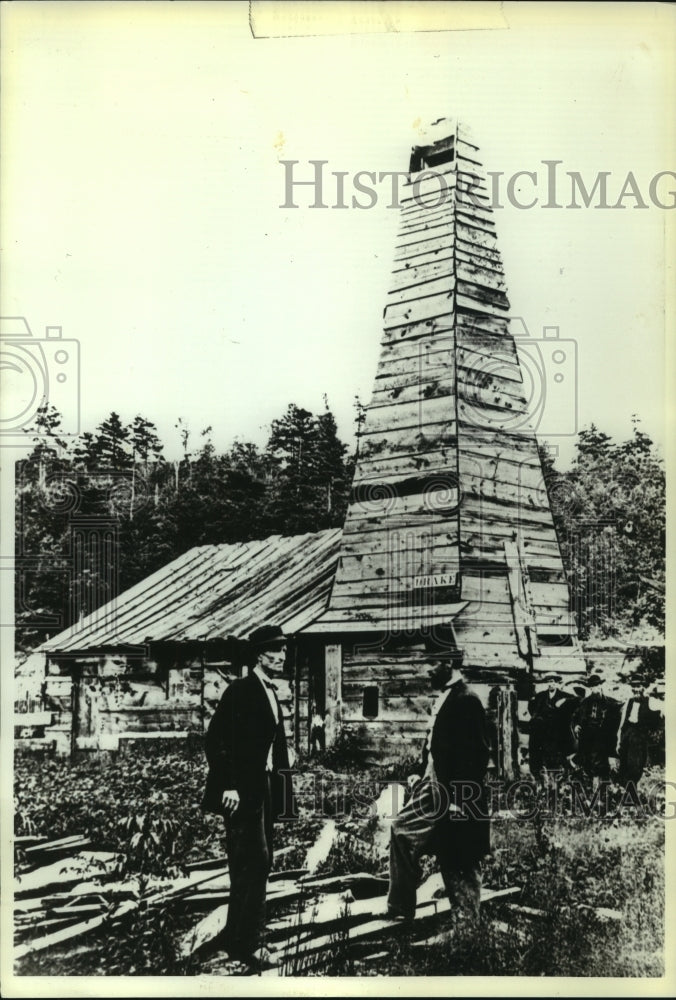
[449, 540]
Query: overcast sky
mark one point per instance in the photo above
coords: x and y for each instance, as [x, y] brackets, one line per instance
[142, 185]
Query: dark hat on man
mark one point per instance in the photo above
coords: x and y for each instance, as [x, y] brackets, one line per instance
[267, 637]
[595, 680]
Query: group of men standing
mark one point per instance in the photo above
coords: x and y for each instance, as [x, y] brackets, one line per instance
[249, 785]
[447, 815]
[582, 727]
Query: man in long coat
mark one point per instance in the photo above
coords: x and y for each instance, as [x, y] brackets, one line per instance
[548, 727]
[249, 784]
[595, 725]
[636, 722]
[447, 813]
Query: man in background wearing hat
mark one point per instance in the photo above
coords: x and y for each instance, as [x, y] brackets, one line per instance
[637, 719]
[546, 744]
[595, 724]
[576, 689]
[249, 784]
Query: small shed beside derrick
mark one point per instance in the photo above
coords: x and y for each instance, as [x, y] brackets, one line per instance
[154, 661]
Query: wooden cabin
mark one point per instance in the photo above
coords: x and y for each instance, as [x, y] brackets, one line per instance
[155, 661]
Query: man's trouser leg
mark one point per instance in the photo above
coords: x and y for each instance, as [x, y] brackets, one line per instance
[535, 760]
[249, 844]
[633, 755]
[463, 887]
[411, 833]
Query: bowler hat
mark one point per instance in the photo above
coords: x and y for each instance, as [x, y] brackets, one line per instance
[267, 637]
[594, 680]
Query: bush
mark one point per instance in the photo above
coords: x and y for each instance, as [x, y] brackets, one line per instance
[97, 798]
[346, 753]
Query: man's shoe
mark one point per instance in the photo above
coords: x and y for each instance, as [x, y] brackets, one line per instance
[399, 918]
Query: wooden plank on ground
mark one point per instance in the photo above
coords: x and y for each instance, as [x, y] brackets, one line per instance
[207, 864]
[86, 863]
[338, 883]
[76, 930]
[51, 852]
[210, 926]
[47, 845]
[427, 907]
[203, 932]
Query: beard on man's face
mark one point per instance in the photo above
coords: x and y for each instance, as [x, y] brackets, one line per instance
[440, 675]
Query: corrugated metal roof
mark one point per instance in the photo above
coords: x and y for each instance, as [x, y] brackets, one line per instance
[214, 591]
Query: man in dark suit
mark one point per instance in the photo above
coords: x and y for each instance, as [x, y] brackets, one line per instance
[548, 731]
[447, 814]
[595, 725]
[249, 784]
[637, 720]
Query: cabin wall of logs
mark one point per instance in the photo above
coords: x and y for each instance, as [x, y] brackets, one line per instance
[382, 696]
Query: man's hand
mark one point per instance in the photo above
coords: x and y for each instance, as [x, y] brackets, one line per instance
[230, 801]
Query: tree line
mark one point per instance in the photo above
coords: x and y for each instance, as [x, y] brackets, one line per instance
[608, 508]
[117, 476]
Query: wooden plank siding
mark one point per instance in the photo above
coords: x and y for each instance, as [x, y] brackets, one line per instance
[449, 404]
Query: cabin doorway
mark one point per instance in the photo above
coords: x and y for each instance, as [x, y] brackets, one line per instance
[318, 694]
[317, 706]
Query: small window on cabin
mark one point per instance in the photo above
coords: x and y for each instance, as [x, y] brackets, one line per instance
[370, 703]
[555, 640]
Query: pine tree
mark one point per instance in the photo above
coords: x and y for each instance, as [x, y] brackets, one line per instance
[331, 466]
[145, 443]
[111, 444]
[309, 480]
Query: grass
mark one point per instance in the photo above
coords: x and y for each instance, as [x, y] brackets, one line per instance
[568, 866]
